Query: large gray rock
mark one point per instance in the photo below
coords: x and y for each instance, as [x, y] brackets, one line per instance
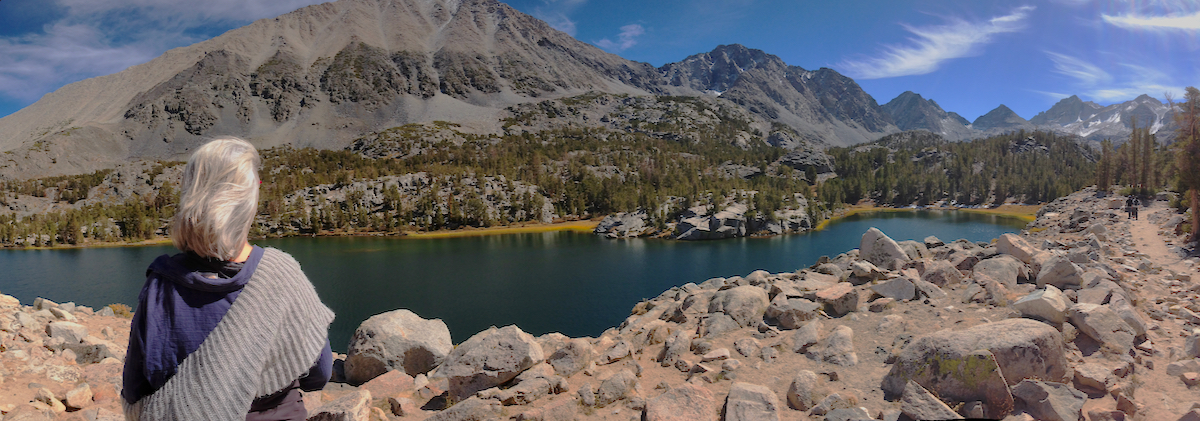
[1094, 375]
[572, 357]
[1124, 309]
[1003, 268]
[531, 385]
[933, 242]
[676, 346]
[717, 324]
[1016, 246]
[689, 402]
[1186, 366]
[879, 249]
[866, 271]
[93, 350]
[745, 304]
[947, 363]
[471, 409]
[615, 388]
[396, 340]
[353, 406]
[792, 313]
[69, 332]
[848, 414]
[839, 347]
[918, 404]
[941, 273]
[803, 394]
[1050, 401]
[692, 307]
[839, 299]
[1048, 304]
[900, 289]
[1191, 346]
[928, 289]
[1102, 324]
[806, 336]
[1060, 272]
[623, 225]
[489, 359]
[915, 250]
[727, 223]
[751, 402]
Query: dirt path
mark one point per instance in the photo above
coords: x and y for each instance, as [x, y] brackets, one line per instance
[1147, 240]
[1162, 396]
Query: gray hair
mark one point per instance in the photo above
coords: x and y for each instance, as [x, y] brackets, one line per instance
[218, 199]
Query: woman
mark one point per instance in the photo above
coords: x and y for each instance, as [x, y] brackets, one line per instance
[224, 330]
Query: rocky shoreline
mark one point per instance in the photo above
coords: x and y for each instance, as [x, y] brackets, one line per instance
[1085, 314]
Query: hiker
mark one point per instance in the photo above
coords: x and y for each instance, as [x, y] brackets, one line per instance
[1134, 209]
[224, 330]
[1129, 207]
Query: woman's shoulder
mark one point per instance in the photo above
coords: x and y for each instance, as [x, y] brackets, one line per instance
[277, 263]
[277, 255]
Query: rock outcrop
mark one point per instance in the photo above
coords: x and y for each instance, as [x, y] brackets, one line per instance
[396, 340]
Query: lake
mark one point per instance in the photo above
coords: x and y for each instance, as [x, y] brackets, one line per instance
[577, 284]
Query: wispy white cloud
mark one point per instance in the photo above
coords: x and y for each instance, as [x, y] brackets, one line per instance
[557, 13]
[1127, 81]
[1077, 69]
[627, 38]
[98, 37]
[1137, 80]
[933, 45]
[1174, 22]
[1051, 95]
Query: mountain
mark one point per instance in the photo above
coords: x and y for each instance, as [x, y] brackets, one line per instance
[822, 105]
[912, 112]
[1000, 119]
[327, 74]
[320, 76]
[1095, 122]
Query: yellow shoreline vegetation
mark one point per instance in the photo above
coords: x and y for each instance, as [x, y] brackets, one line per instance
[1027, 213]
[524, 228]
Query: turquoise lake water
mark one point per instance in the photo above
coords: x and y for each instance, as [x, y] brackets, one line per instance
[577, 284]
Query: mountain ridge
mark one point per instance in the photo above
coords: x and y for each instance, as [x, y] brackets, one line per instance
[324, 75]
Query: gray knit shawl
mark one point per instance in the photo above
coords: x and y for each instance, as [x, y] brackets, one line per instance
[271, 335]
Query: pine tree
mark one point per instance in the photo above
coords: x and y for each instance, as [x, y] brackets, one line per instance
[1104, 169]
[1188, 157]
[1133, 148]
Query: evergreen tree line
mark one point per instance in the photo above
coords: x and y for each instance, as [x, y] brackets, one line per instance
[1027, 167]
[1139, 163]
[583, 172]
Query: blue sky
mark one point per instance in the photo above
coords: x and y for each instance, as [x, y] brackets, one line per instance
[969, 56]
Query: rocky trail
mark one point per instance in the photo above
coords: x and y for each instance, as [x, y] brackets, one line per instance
[1084, 315]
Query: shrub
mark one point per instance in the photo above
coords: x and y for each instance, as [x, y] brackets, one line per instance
[122, 310]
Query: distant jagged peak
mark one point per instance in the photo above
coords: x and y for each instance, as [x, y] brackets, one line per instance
[1001, 117]
[1144, 99]
[911, 111]
[719, 69]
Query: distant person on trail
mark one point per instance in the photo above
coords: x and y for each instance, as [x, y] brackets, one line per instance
[1129, 207]
[1134, 209]
[224, 330]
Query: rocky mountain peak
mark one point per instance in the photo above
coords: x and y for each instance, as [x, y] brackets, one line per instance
[1066, 111]
[1002, 118]
[911, 111]
[718, 69]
